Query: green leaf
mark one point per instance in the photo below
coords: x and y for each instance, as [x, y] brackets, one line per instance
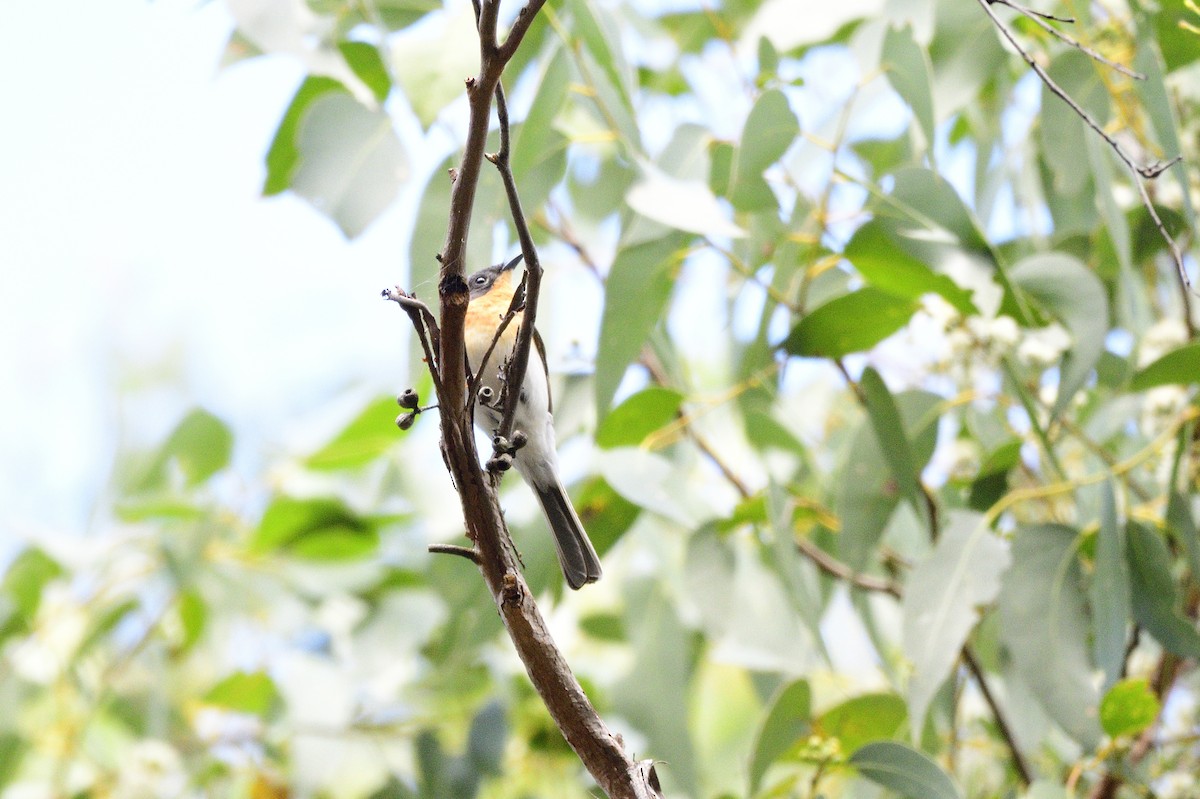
[487, 739]
[368, 65]
[683, 204]
[1128, 708]
[928, 204]
[12, 748]
[1153, 592]
[1179, 518]
[539, 151]
[904, 770]
[636, 293]
[432, 61]
[788, 720]
[851, 323]
[321, 529]
[893, 443]
[1043, 622]
[908, 71]
[941, 600]
[1180, 366]
[863, 719]
[351, 162]
[604, 627]
[27, 575]
[770, 129]
[1072, 293]
[200, 445]
[245, 692]
[638, 416]
[605, 514]
[193, 618]
[284, 155]
[1179, 45]
[1110, 591]
[604, 45]
[884, 263]
[867, 494]
[368, 436]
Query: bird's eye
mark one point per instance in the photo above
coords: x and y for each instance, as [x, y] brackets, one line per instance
[480, 280]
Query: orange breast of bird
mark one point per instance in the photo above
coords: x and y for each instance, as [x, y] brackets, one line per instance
[483, 317]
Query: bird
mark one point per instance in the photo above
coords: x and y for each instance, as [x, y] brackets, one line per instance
[536, 461]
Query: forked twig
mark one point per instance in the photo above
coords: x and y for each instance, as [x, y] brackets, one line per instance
[1141, 172]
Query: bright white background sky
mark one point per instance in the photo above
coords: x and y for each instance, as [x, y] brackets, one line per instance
[136, 251]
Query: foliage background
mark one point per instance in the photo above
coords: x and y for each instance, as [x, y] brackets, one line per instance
[866, 351]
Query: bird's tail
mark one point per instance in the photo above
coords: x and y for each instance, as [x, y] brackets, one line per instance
[576, 555]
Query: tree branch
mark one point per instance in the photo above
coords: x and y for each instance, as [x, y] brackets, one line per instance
[598, 748]
[518, 364]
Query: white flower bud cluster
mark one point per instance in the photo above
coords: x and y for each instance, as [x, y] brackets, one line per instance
[975, 345]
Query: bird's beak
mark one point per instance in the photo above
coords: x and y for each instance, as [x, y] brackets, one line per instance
[511, 264]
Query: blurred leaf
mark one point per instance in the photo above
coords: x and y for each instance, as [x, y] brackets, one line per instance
[638, 287]
[867, 494]
[487, 739]
[850, 323]
[1110, 591]
[1180, 366]
[904, 770]
[368, 65]
[928, 204]
[1043, 623]
[908, 71]
[1154, 595]
[1179, 45]
[27, 575]
[770, 129]
[539, 151]
[321, 529]
[432, 61]
[200, 445]
[605, 514]
[686, 205]
[1179, 518]
[12, 748]
[893, 443]
[193, 618]
[863, 719]
[883, 263]
[367, 437]
[351, 162]
[245, 692]
[651, 693]
[144, 508]
[1075, 296]
[284, 154]
[788, 720]
[604, 627]
[604, 45]
[941, 600]
[1128, 708]
[638, 416]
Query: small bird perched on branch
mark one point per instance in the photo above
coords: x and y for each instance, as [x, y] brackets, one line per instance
[492, 291]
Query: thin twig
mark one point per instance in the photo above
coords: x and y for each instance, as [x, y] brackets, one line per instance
[1140, 171]
[473, 382]
[426, 326]
[1023, 771]
[1039, 17]
[519, 28]
[518, 363]
[454, 549]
